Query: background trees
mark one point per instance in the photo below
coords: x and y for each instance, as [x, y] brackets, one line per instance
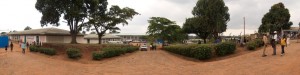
[165, 29]
[74, 13]
[210, 18]
[102, 20]
[27, 28]
[276, 19]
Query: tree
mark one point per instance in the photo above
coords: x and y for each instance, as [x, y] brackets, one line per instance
[74, 13]
[3, 33]
[276, 19]
[196, 25]
[165, 29]
[93, 33]
[214, 15]
[27, 28]
[103, 20]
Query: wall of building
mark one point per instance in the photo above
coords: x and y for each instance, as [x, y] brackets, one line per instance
[79, 39]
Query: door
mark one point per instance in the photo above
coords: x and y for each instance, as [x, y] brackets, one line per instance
[37, 39]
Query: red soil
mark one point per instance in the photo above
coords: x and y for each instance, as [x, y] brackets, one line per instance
[153, 63]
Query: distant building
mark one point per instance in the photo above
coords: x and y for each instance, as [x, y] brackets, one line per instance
[93, 38]
[113, 38]
[44, 35]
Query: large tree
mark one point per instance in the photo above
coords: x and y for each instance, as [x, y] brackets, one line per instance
[213, 15]
[165, 29]
[196, 26]
[276, 19]
[74, 13]
[103, 20]
[27, 28]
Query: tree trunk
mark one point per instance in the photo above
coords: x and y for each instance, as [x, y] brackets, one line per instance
[99, 39]
[73, 41]
[204, 39]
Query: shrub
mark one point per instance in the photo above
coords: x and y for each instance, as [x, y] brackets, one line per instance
[33, 49]
[108, 52]
[259, 42]
[73, 53]
[194, 51]
[97, 55]
[251, 45]
[47, 51]
[225, 48]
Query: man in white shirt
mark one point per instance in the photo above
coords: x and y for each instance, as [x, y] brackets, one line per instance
[274, 42]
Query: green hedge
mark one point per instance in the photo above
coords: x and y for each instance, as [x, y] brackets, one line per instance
[47, 51]
[33, 49]
[108, 52]
[195, 51]
[252, 45]
[74, 53]
[225, 48]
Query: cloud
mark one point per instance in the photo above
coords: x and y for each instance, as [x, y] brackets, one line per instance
[17, 14]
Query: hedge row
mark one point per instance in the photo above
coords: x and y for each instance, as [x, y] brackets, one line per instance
[195, 51]
[202, 51]
[47, 51]
[252, 45]
[226, 48]
[74, 53]
[112, 52]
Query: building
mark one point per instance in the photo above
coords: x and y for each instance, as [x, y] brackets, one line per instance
[115, 38]
[44, 35]
[107, 38]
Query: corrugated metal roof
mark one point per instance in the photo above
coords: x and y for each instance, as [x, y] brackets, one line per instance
[106, 36]
[43, 31]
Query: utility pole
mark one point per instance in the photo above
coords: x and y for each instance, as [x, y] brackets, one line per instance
[244, 29]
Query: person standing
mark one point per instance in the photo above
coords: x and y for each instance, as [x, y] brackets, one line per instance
[283, 44]
[265, 40]
[23, 46]
[11, 46]
[273, 42]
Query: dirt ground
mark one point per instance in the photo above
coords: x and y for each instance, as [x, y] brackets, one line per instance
[153, 63]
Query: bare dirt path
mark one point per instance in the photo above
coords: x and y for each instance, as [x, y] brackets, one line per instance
[153, 63]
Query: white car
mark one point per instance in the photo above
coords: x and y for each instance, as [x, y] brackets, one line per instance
[143, 47]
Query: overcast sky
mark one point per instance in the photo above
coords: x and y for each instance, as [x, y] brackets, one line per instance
[17, 14]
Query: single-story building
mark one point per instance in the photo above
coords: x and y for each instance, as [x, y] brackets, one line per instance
[107, 38]
[44, 35]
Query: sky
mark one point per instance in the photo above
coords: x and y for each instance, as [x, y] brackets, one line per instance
[17, 14]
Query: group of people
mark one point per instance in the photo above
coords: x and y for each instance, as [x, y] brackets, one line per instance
[152, 46]
[274, 39]
[23, 45]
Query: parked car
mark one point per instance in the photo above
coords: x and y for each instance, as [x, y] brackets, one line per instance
[143, 47]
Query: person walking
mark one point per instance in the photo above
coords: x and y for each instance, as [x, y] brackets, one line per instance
[265, 40]
[274, 42]
[283, 44]
[23, 46]
[11, 46]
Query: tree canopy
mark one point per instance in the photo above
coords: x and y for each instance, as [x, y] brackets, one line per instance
[210, 18]
[103, 20]
[165, 29]
[74, 12]
[27, 28]
[276, 19]
[214, 14]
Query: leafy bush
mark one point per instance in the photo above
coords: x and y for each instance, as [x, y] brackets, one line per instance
[251, 45]
[226, 48]
[259, 42]
[97, 55]
[49, 51]
[73, 53]
[195, 51]
[108, 52]
[33, 48]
